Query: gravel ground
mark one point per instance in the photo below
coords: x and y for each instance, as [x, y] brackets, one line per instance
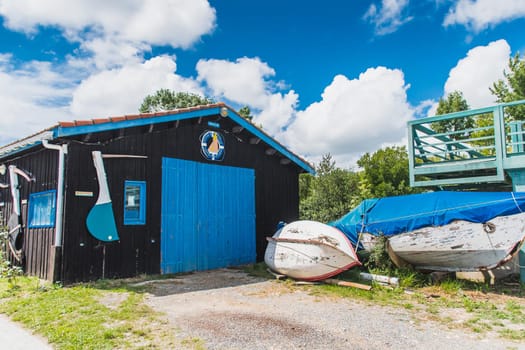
[228, 309]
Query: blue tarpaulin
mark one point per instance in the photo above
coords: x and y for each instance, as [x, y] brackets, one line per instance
[393, 215]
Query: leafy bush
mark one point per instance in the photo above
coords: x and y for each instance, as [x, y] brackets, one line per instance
[378, 259]
[7, 270]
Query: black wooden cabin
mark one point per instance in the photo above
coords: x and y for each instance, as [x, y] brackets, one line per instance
[190, 189]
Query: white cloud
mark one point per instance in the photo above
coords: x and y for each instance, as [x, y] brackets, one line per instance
[178, 23]
[247, 82]
[114, 32]
[36, 96]
[426, 108]
[121, 90]
[243, 81]
[389, 17]
[277, 112]
[477, 15]
[474, 74]
[108, 75]
[32, 96]
[111, 52]
[349, 120]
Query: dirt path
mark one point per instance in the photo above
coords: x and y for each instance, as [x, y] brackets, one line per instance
[227, 309]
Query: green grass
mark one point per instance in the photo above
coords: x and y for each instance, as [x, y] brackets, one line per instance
[518, 335]
[408, 306]
[76, 318]
[451, 286]
[194, 343]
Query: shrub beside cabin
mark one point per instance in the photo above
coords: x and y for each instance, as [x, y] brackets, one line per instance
[191, 189]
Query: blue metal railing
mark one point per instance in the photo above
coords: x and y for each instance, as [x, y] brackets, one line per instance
[474, 146]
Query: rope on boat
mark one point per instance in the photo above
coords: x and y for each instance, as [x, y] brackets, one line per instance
[516, 202]
[311, 257]
[360, 235]
[489, 227]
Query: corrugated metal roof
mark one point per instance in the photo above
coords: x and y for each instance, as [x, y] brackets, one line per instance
[80, 127]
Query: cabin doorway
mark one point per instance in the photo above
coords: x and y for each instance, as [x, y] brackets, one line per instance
[207, 216]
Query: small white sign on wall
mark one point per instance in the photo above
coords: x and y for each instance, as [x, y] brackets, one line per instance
[83, 194]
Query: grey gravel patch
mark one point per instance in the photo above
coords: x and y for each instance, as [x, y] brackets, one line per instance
[200, 281]
[229, 331]
[229, 310]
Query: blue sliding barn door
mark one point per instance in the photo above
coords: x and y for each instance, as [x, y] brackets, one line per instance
[208, 216]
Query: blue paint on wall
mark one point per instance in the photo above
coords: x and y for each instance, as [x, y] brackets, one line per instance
[101, 224]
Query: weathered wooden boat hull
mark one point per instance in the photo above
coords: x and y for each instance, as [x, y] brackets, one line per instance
[458, 246]
[309, 251]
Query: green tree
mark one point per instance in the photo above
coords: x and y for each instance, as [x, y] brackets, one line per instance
[385, 173]
[326, 165]
[165, 100]
[512, 87]
[454, 102]
[328, 195]
[364, 190]
[305, 186]
[246, 113]
[484, 138]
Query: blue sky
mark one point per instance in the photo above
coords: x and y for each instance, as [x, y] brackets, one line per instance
[334, 76]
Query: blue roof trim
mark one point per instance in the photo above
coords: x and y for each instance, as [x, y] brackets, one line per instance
[24, 144]
[270, 141]
[20, 149]
[85, 129]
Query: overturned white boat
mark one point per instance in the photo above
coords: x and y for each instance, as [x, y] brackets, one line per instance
[309, 251]
[442, 231]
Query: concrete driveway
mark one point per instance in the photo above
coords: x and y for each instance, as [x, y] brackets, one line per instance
[14, 337]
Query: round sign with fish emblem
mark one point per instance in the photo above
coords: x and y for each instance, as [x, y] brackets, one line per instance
[212, 145]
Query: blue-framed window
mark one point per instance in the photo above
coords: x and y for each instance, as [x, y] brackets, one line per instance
[134, 202]
[42, 209]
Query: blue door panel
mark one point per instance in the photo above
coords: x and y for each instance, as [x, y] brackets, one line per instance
[208, 216]
[178, 215]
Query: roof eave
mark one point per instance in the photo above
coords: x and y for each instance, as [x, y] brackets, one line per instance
[169, 116]
[26, 143]
[68, 129]
[271, 141]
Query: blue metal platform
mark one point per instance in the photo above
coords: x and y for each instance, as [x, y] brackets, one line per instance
[479, 147]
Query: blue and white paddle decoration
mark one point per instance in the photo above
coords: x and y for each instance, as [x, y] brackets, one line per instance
[101, 220]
